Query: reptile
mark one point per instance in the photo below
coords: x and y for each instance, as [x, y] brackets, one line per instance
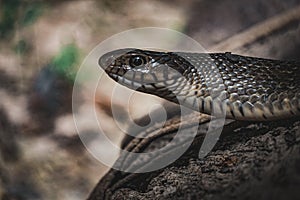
[241, 88]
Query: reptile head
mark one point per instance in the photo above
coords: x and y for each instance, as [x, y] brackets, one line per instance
[139, 69]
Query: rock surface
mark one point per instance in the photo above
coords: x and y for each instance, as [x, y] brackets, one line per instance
[250, 161]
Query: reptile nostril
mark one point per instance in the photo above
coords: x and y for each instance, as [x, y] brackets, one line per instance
[106, 60]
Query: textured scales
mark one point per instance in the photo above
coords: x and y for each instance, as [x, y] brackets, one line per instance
[243, 88]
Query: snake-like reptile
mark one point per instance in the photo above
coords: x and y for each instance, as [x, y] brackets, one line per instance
[240, 87]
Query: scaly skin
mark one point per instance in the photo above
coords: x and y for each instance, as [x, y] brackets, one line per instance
[240, 87]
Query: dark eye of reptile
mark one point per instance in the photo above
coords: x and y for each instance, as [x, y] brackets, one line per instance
[137, 61]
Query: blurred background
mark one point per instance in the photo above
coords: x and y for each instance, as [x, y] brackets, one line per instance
[43, 43]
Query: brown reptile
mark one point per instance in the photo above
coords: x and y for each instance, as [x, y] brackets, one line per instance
[239, 87]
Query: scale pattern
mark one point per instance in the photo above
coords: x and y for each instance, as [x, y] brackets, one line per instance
[240, 87]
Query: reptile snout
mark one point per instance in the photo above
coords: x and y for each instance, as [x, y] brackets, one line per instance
[108, 59]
